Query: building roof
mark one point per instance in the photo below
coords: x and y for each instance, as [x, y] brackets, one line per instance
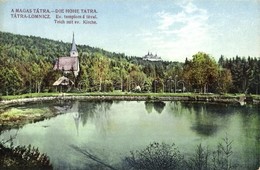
[63, 81]
[66, 64]
[152, 57]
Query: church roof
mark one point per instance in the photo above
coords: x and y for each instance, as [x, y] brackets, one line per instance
[66, 64]
[73, 47]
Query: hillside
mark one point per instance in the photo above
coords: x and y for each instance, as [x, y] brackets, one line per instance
[29, 60]
[27, 66]
[33, 47]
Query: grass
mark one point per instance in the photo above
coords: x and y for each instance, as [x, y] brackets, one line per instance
[29, 95]
[17, 111]
[17, 114]
[17, 117]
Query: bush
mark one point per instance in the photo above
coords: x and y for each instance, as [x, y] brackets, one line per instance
[164, 156]
[107, 86]
[22, 157]
[219, 159]
[156, 157]
[200, 160]
[161, 156]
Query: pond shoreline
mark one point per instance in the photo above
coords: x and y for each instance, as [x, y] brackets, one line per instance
[192, 98]
[11, 121]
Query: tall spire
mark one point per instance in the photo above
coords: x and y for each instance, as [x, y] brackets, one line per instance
[73, 51]
[73, 48]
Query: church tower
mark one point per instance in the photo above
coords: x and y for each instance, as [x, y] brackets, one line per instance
[74, 51]
[69, 64]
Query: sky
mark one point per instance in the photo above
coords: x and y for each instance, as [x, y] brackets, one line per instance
[172, 29]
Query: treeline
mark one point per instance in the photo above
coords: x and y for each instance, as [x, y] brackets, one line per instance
[27, 66]
[245, 73]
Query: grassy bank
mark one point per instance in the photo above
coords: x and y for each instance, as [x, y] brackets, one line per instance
[117, 93]
[29, 95]
[15, 117]
[129, 96]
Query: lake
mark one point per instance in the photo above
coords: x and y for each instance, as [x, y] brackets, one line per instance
[111, 129]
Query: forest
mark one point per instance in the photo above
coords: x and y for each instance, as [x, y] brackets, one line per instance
[27, 67]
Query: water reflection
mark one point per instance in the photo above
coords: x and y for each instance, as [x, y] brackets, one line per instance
[204, 121]
[158, 106]
[111, 129]
[94, 110]
[176, 107]
[83, 111]
[204, 118]
[207, 119]
[62, 106]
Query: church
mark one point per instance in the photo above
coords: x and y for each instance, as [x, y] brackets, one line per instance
[69, 64]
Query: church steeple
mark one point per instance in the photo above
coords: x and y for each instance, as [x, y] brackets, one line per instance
[73, 51]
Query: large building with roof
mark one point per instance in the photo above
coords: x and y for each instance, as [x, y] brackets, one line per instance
[152, 57]
[69, 64]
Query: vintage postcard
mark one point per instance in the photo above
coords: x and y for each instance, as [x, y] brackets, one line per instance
[133, 84]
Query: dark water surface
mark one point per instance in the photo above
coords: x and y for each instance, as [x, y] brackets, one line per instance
[110, 130]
